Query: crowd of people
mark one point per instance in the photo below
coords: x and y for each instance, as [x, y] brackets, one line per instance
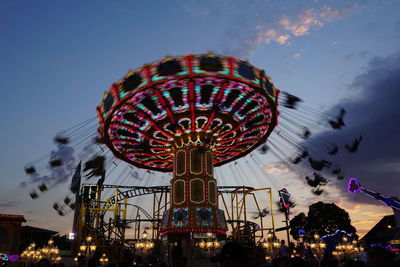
[235, 255]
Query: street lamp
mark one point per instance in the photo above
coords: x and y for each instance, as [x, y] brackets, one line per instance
[145, 234]
[103, 259]
[318, 247]
[211, 244]
[271, 246]
[50, 252]
[88, 247]
[144, 243]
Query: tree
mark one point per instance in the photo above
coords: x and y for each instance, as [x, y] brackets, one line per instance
[298, 222]
[322, 218]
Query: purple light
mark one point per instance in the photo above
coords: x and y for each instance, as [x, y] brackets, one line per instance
[353, 186]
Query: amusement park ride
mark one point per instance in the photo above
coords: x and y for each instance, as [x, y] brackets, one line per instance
[185, 116]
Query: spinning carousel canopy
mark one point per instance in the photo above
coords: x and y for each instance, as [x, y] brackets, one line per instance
[219, 102]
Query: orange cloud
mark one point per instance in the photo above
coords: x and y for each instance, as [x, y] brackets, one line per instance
[298, 25]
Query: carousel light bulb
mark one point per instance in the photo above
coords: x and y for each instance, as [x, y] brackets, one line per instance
[202, 244]
[217, 244]
[209, 243]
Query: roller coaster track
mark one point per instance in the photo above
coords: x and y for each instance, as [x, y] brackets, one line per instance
[133, 191]
[136, 191]
[255, 226]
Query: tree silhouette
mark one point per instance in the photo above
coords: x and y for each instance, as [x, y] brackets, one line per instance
[298, 222]
[322, 218]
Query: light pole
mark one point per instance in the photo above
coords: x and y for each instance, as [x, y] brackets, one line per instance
[87, 248]
[103, 259]
[318, 248]
[144, 243]
[211, 244]
[271, 246]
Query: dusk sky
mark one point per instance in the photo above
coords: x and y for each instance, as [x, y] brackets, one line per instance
[57, 58]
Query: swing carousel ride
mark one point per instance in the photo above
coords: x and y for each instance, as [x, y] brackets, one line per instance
[185, 116]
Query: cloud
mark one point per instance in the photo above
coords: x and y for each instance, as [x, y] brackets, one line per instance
[245, 39]
[10, 204]
[329, 13]
[349, 57]
[277, 167]
[282, 39]
[296, 55]
[363, 222]
[374, 113]
[302, 24]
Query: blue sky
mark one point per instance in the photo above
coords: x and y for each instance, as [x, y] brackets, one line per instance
[59, 56]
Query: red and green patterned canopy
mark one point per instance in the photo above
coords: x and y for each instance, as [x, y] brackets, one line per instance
[221, 102]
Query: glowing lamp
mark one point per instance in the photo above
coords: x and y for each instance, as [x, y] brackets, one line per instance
[145, 234]
[92, 247]
[82, 248]
[217, 244]
[316, 236]
[149, 245]
[209, 243]
[89, 239]
[269, 235]
[50, 242]
[265, 244]
[202, 244]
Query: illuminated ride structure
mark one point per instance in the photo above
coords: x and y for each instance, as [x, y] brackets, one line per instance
[108, 220]
[186, 115]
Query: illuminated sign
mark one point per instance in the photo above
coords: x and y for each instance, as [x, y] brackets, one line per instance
[284, 198]
[9, 257]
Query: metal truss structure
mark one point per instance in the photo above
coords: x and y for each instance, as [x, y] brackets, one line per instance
[106, 220]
